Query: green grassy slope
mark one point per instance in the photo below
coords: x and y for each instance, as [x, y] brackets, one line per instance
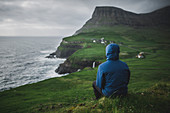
[148, 88]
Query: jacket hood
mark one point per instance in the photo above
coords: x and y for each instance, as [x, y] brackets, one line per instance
[112, 52]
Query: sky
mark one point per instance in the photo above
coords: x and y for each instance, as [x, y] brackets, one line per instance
[60, 17]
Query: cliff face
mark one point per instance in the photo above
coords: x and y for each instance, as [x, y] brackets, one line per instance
[107, 17]
[67, 67]
[64, 50]
[110, 16]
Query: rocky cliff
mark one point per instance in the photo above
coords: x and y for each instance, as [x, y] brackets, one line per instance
[106, 17]
[111, 16]
[65, 50]
[67, 66]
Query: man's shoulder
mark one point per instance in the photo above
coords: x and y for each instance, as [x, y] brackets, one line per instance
[123, 63]
[103, 64]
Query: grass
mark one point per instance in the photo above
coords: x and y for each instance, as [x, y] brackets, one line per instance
[149, 85]
[145, 102]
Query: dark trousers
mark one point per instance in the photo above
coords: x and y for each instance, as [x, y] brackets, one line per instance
[97, 91]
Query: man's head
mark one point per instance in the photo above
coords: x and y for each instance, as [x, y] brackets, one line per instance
[112, 52]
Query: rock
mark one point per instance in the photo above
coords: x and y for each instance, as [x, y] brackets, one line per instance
[65, 50]
[67, 66]
[52, 55]
[64, 68]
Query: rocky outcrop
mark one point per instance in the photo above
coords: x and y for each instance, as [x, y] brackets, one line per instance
[66, 67]
[65, 50]
[111, 16]
[69, 67]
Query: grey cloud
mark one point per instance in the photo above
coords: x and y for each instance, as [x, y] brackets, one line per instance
[61, 17]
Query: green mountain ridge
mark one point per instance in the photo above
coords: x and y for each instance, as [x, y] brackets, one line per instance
[111, 16]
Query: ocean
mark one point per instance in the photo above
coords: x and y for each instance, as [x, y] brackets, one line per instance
[22, 60]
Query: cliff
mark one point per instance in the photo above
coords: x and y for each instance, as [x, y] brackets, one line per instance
[111, 16]
[79, 49]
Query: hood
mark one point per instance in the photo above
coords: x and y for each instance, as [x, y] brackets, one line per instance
[112, 52]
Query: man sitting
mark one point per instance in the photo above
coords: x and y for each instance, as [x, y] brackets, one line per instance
[112, 76]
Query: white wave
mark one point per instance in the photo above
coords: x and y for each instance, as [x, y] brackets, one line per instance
[52, 73]
[47, 51]
[42, 58]
[23, 61]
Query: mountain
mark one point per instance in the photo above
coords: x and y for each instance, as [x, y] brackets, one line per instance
[111, 16]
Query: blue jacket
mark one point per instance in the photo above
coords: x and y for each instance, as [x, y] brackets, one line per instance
[113, 75]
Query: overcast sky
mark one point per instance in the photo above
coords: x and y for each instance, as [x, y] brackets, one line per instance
[59, 17]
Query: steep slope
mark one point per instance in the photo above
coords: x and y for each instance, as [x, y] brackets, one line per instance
[111, 16]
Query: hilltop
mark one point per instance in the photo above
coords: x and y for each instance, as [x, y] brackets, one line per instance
[111, 16]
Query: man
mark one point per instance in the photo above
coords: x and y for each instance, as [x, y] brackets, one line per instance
[112, 76]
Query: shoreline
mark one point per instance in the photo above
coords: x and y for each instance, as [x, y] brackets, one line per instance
[49, 77]
[31, 66]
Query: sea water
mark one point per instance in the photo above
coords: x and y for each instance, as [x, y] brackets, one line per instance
[22, 60]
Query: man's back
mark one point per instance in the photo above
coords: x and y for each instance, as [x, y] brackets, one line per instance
[113, 75]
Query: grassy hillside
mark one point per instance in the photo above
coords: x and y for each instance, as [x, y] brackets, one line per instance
[149, 87]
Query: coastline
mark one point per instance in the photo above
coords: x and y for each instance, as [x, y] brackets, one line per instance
[28, 64]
